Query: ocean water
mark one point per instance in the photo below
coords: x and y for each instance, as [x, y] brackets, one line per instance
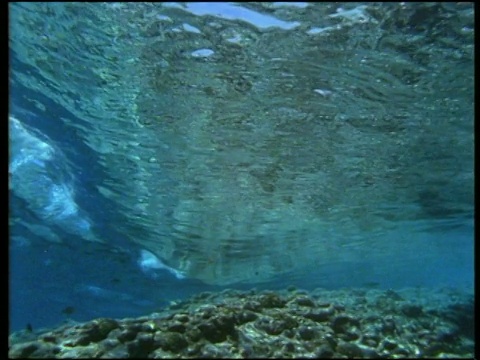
[158, 150]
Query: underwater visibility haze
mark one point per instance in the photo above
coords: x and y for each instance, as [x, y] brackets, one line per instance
[158, 150]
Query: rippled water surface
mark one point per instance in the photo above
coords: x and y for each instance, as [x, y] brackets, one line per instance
[237, 143]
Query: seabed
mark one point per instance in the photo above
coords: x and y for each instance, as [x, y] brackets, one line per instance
[292, 323]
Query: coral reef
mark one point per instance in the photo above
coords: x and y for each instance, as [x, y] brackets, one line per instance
[361, 323]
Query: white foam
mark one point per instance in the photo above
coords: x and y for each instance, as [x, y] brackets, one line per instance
[40, 175]
[148, 262]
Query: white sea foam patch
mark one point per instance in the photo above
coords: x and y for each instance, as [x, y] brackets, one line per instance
[149, 262]
[39, 174]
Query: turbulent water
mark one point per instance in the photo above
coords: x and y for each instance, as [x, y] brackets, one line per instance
[241, 142]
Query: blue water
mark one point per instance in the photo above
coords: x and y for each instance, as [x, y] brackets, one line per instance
[105, 279]
[45, 278]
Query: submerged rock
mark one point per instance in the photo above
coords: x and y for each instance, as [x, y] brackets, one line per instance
[283, 325]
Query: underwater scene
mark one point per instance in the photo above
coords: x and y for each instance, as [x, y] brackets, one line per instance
[241, 180]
